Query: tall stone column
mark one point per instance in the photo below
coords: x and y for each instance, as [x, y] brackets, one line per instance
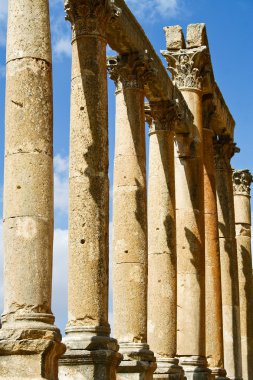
[242, 180]
[187, 67]
[162, 260]
[130, 259]
[91, 353]
[214, 328]
[224, 150]
[29, 341]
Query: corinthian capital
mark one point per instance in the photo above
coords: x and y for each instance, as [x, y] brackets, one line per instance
[90, 16]
[186, 66]
[130, 71]
[161, 115]
[224, 150]
[242, 180]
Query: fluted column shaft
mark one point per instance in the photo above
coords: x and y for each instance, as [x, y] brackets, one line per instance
[28, 197]
[224, 150]
[130, 260]
[162, 261]
[214, 328]
[241, 183]
[88, 329]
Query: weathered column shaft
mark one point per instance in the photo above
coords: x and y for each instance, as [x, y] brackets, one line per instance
[28, 323]
[88, 329]
[162, 261]
[242, 181]
[190, 239]
[130, 219]
[130, 258]
[214, 329]
[188, 68]
[224, 150]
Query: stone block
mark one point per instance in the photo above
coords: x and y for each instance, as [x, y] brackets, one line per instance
[174, 37]
[196, 36]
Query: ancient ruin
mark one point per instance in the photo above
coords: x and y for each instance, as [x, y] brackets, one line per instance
[182, 265]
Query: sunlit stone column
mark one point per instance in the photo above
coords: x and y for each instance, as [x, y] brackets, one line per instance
[242, 180]
[214, 328]
[130, 259]
[162, 260]
[29, 341]
[224, 150]
[187, 66]
[91, 353]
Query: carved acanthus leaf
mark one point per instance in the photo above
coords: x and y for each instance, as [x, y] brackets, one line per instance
[242, 180]
[130, 71]
[90, 16]
[185, 66]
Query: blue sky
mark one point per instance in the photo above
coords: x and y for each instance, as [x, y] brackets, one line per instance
[230, 32]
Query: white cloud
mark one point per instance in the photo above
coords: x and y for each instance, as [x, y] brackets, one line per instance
[62, 47]
[61, 184]
[151, 8]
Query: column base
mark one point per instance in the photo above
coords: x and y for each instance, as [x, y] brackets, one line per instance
[138, 362]
[219, 374]
[168, 368]
[89, 356]
[195, 368]
[30, 354]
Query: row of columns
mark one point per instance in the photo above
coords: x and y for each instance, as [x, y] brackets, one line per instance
[170, 275]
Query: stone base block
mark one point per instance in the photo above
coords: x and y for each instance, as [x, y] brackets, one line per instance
[138, 362]
[24, 358]
[89, 356]
[89, 365]
[219, 374]
[195, 368]
[168, 368]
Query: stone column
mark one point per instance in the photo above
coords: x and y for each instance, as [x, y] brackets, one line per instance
[214, 328]
[29, 341]
[242, 180]
[130, 259]
[187, 66]
[162, 260]
[91, 353]
[224, 150]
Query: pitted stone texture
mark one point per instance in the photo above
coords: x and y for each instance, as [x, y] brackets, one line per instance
[89, 186]
[130, 219]
[28, 30]
[32, 132]
[28, 177]
[24, 240]
[196, 36]
[162, 290]
[30, 354]
[174, 37]
[190, 237]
